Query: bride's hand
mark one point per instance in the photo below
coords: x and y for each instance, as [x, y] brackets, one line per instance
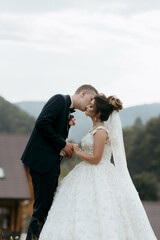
[76, 148]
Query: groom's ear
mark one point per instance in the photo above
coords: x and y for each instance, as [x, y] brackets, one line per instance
[83, 92]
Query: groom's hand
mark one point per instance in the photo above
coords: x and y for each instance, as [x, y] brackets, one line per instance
[68, 149]
[69, 156]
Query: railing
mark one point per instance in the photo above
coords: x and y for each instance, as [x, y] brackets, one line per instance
[12, 236]
[9, 235]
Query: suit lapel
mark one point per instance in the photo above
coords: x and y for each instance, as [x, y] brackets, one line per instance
[68, 104]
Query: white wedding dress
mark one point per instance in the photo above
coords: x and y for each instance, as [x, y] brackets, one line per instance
[94, 202]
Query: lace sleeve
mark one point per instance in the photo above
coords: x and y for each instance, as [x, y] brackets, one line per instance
[99, 127]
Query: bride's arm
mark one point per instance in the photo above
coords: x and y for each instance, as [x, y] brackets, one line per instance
[100, 138]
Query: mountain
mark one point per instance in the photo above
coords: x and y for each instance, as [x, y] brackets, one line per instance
[83, 123]
[33, 108]
[13, 119]
[144, 112]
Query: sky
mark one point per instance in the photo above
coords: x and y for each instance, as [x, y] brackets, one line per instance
[49, 47]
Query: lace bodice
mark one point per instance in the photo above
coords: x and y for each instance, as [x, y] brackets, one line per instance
[87, 145]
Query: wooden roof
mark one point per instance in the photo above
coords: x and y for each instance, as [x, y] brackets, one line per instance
[153, 212]
[14, 185]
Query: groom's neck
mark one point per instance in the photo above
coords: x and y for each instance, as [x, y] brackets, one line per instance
[75, 101]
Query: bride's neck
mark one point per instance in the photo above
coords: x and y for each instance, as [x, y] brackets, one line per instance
[95, 123]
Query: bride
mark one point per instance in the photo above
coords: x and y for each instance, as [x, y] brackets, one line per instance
[97, 199]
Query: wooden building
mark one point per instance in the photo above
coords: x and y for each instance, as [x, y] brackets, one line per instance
[153, 212]
[14, 185]
[16, 193]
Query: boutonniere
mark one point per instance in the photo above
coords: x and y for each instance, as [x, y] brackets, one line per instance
[72, 121]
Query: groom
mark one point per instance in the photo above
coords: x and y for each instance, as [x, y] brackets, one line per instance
[42, 153]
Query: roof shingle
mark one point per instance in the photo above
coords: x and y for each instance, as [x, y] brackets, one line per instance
[14, 185]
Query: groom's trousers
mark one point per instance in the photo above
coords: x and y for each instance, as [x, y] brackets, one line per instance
[44, 186]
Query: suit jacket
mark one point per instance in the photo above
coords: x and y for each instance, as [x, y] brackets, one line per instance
[48, 136]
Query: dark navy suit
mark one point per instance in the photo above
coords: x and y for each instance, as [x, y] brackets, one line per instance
[42, 156]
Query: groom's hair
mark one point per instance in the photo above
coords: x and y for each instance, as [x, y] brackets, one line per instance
[86, 87]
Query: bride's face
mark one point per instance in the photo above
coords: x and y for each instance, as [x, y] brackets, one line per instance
[90, 110]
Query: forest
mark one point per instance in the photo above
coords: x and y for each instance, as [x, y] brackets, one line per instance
[14, 120]
[142, 145]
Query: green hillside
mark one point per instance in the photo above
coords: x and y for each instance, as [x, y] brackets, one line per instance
[128, 116]
[13, 119]
[142, 143]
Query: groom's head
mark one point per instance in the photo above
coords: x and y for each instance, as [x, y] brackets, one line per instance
[83, 96]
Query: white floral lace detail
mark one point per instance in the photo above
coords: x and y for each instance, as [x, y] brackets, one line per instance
[87, 145]
[93, 202]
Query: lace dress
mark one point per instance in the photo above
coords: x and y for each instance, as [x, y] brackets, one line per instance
[93, 202]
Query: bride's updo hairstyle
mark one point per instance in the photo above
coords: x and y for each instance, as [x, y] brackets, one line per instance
[106, 105]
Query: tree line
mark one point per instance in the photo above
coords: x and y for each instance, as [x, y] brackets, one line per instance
[142, 145]
[14, 120]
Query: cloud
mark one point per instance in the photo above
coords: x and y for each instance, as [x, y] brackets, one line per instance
[134, 89]
[79, 30]
[104, 47]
